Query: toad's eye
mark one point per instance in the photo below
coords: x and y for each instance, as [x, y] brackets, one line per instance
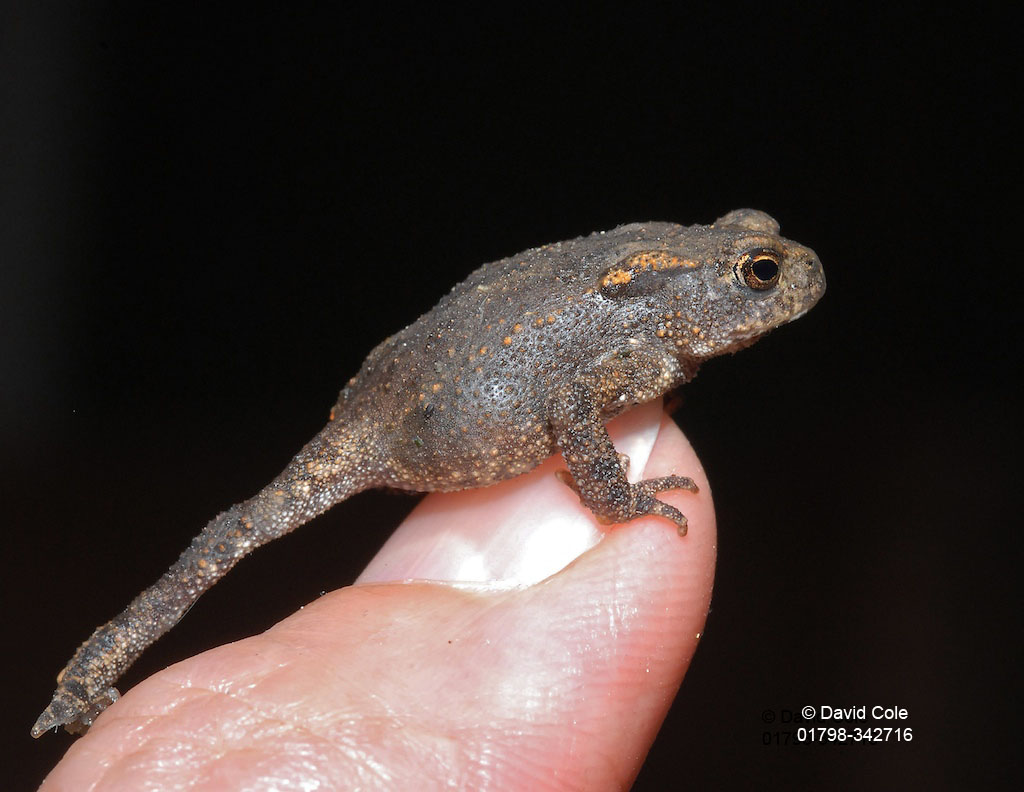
[759, 270]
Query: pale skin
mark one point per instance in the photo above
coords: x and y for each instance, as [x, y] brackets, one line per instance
[558, 677]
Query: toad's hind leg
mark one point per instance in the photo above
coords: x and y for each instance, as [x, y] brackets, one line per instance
[325, 472]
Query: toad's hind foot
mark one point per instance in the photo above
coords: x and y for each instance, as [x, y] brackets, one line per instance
[72, 712]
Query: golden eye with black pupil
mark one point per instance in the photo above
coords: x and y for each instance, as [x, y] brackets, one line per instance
[759, 270]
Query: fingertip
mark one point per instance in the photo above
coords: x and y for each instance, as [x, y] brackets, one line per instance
[514, 533]
[521, 531]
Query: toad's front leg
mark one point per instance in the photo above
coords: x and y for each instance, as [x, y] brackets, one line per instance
[577, 412]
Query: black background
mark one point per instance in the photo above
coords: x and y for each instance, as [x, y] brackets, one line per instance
[208, 218]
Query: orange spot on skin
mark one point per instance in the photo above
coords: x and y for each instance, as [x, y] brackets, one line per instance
[655, 260]
[506, 340]
[617, 277]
